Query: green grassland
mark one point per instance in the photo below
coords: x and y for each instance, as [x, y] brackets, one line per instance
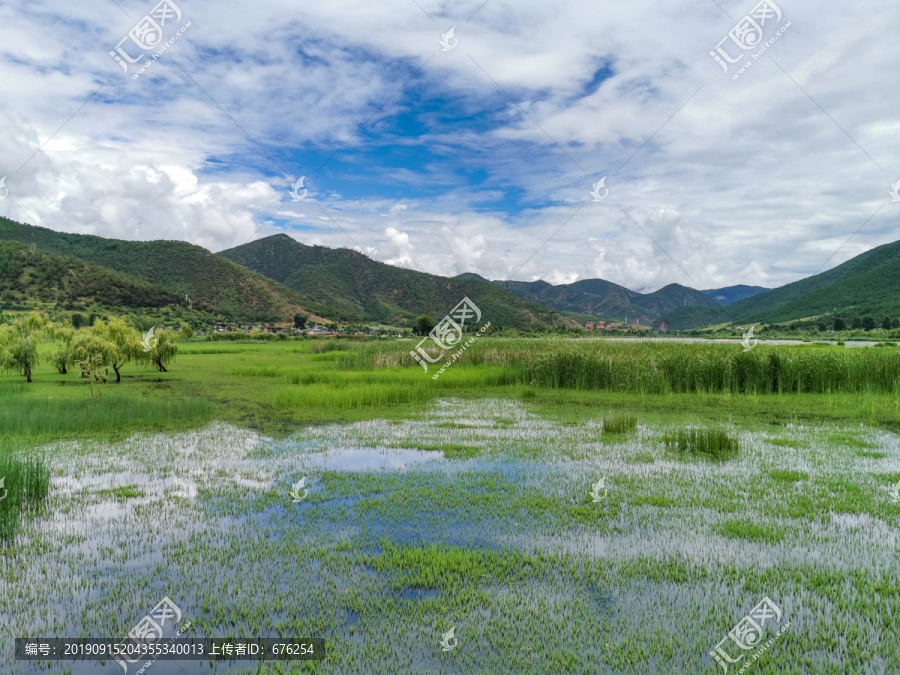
[277, 387]
[729, 477]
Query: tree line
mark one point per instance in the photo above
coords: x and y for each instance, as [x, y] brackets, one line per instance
[107, 343]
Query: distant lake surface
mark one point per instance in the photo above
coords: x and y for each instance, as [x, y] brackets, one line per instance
[848, 343]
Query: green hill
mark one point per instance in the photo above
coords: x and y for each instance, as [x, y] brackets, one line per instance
[868, 284]
[603, 299]
[212, 283]
[361, 289]
[35, 279]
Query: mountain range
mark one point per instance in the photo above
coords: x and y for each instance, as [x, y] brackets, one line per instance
[274, 278]
[604, 299]
[359, 289]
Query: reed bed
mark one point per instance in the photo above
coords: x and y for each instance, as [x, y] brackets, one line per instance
[350, 396]
[46, 418]
[660, 368]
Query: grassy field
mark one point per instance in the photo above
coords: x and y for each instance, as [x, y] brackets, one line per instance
[473, 502]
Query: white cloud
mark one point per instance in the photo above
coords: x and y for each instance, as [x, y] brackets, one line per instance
[750, 182]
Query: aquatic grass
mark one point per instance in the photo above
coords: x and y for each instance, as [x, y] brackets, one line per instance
[788, 476]
[26, 484]
[507, 551]
[850, 440]
[666, 367]
[441, 566]
[122, 492]
[113, 413]
[351, 396]
[867, 454]
[619, 424]
[788, 443]
[715, 444]
[740, 529]
[656, 368]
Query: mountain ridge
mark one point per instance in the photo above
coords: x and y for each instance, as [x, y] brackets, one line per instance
[363, 289]
[190, 272]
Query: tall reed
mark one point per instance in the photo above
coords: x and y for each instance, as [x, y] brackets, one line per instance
[25, 485]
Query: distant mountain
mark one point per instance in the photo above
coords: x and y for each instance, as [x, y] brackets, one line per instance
[606, 300]
[274, 278]
[359, 289]
[868, 284]
[732, 294]
[174, 269]
[673, 296]
[693, 316]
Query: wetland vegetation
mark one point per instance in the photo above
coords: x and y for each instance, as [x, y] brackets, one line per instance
[464, 502]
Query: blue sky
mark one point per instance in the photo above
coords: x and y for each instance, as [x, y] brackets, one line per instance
[473, 158]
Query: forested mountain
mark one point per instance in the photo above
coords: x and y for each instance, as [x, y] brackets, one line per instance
[274, 278]
[31, 278]
[358, 288]
[867, 285]
[606, 300]
[189, 274]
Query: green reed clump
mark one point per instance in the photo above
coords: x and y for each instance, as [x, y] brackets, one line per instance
[35, 417]
[660, 368]
[24, 485]
[709, 443]
[349, 396]
[619, 424]
[335, 346]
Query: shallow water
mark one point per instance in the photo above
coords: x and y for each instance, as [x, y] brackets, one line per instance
[216, 530]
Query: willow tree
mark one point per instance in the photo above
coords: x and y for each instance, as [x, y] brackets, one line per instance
[126, 340]
[62, 333]
[19, 341]
[164, 350]
[90, 350]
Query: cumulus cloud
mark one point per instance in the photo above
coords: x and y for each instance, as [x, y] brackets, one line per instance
[712, 181]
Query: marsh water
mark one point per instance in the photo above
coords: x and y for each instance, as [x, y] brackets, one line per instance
[389, 547]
